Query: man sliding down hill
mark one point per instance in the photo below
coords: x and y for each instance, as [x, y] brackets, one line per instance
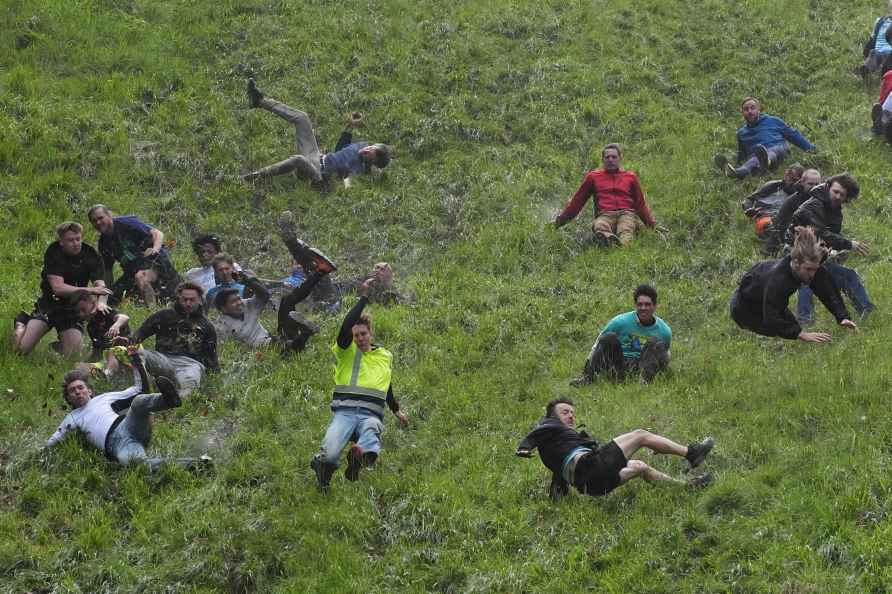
[762, 142]
[349, 158]
[620, 205]
[574, 458]
[760, 302]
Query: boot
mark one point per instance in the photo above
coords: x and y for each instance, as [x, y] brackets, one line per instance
[323, 472]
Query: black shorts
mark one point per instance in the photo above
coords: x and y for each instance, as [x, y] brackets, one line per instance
[598, 473]
[57, 315]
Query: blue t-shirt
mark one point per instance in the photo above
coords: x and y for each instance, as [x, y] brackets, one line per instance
[212, 292]
[632, 335]
[130, 237]
[346, 161]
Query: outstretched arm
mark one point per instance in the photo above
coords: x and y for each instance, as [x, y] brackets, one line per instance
[345, 336]
[586, 190]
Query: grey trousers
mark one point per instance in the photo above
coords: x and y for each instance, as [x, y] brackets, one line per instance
[186, 371]
[306, 162]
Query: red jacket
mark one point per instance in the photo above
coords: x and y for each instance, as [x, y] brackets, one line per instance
[612, 191]
[887, 86]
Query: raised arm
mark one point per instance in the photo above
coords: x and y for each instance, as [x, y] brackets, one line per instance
[345, 335]
[261, 293]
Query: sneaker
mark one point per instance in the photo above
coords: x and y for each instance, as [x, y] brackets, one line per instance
[168, 392]
[720, 160]
[286, 225]
[305, 325]
[254, 94]
[354, 463]
[764, 158]
[322, 263]
[323, 472]
[733, 172]
[698, 482]
[697, 452]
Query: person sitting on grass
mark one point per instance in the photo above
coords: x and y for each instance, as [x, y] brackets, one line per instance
[762, 142]
[823, 212]
[594, 469]
[185, 341]
[225, 273]
[69, 266]
[362, 389]
[760, 303]
[122, 437]
[139, 249]
[633, 342]
[104, 326]
[205, 248]
[766, 201]
[781, 220]
[878, 46]
[620, 205]
[348, 159]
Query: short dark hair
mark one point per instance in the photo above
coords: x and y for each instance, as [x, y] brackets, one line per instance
[205, 240]
[222, 258]
[189, 286]
[549, 408]
[796, 169]
[364, 320]
[223, 296]
[645, 290]
[848, 182]
[73, 376]
[615, 146]
[68, 227]
[382, 156]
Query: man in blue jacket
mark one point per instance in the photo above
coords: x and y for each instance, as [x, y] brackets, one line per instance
[762, 141]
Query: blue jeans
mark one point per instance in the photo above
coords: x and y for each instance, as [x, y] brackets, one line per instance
[776, 153]
[351, 424]
[848, 281]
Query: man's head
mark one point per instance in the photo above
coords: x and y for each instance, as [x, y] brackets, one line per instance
[562, 410]
[793, 174]
[806, 255]
[362, 333]
[810, 178]
[230, 302]
[751, 109]
[189, 297]
[85, 304]
[645, 303]
[70, 236]
[206, 247]
[383, 274]
[101, 219]
[378, 155]
[75, 389]
[224, 265]
[611, 156]
[842, 188]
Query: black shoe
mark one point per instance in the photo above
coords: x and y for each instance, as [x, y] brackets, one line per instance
[762, 155]
[697, 451]
[733, 172]
[322, 263]
[698, 482]
[323, 472]
[354, 463]
[254, 95]
[286, 226]
[168, 392]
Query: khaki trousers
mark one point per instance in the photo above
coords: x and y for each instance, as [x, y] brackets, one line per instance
[617, 223]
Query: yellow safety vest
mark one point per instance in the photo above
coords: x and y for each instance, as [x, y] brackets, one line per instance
[361, 379]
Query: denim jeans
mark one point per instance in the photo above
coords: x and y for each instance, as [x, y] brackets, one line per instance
[848, 281]
[132, 435]
[351, 424]
[776, 154]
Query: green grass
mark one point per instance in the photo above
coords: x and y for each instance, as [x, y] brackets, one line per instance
[496, 111]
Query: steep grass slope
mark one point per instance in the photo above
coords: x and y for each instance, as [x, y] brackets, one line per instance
[496, 109]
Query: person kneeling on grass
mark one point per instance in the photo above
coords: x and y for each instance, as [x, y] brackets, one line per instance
[576, 459]
[123, 437]
[362, 388]
[631, 342]
[760, 303]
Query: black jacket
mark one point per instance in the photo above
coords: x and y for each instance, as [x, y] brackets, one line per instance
[768, 198]
[765, 291]
[819, 212]
[179, 333]
[555, 441]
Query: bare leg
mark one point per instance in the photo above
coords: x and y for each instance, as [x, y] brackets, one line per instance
[630, 443]
[144, 280]
[34, 331]
[637, 468]
[72, 342]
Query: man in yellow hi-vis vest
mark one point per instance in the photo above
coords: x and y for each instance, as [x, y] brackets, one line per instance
[362, 388]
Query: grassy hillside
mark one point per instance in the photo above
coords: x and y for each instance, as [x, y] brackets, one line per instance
[496, 110]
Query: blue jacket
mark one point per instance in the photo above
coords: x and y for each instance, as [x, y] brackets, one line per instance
[345, 160]
[768, 131]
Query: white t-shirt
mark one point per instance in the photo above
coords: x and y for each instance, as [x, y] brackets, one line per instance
[204, 276]
[248, 329]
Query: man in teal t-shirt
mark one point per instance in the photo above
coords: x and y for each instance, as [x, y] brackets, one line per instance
[637, 341]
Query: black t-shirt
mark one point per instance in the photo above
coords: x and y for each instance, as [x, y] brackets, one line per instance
[76, 271]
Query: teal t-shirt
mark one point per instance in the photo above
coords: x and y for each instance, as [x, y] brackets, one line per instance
[632, 335]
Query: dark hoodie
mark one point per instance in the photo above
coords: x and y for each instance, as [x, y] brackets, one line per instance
[819, 212]
[179, 333]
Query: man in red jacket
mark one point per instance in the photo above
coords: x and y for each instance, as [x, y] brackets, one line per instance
[620, 205]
